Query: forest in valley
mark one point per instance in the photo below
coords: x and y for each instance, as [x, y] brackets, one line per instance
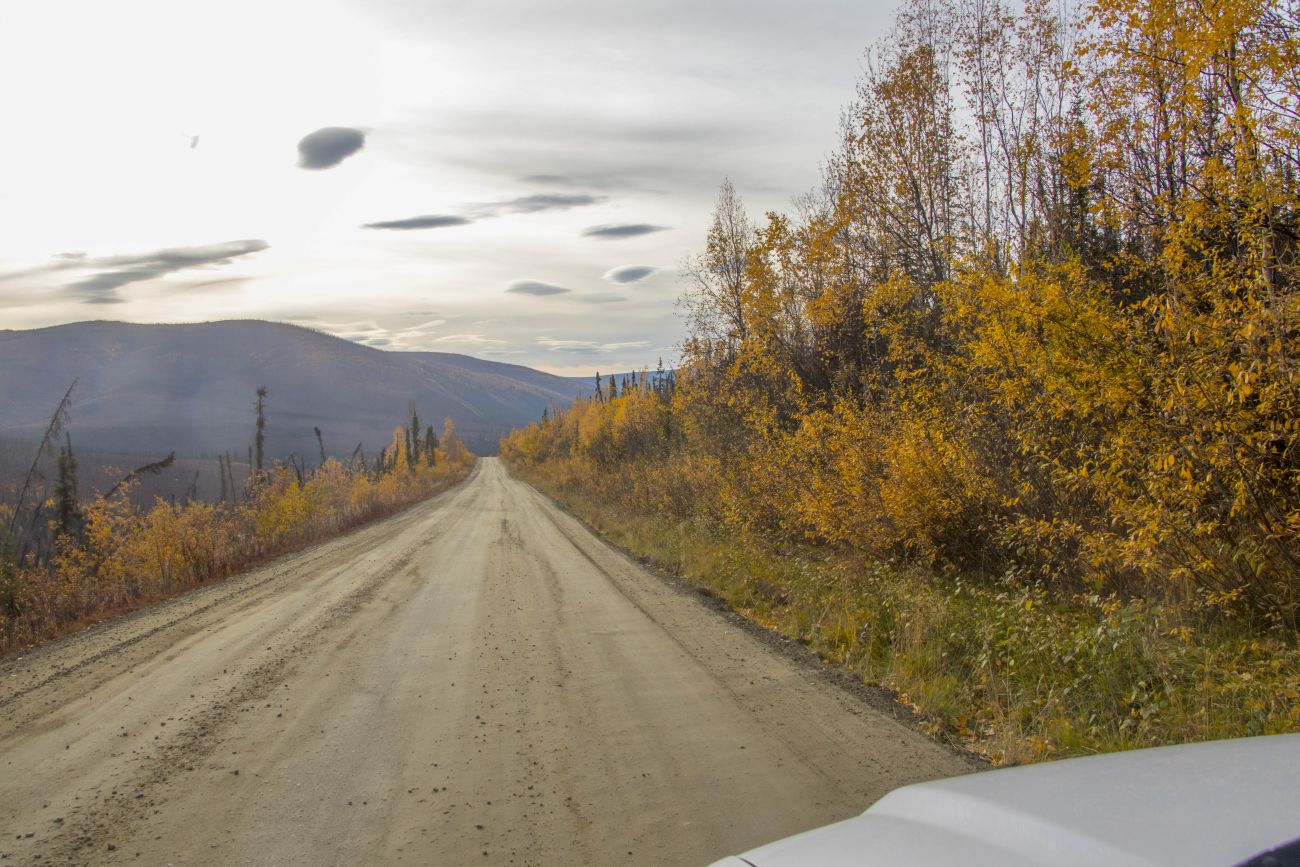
[71, 555]
[1004, 414]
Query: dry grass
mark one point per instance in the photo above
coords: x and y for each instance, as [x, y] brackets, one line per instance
[128, 558]
[1001, 670]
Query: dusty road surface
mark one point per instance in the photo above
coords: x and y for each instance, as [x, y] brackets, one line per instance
[478, 680]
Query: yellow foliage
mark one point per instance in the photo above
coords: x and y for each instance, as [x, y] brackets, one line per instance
[127, 557]
[1051, 336]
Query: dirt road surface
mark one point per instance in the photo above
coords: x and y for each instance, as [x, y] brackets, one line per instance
[478, 680]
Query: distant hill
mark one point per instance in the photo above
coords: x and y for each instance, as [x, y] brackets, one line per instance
[149, 389]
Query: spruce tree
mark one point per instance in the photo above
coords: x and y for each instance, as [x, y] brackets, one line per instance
[413, 443]
[10, 581]
[66, 508]
[260, 439]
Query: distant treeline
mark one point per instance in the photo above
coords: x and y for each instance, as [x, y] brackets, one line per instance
[1039, 327]
[198, 478]
[65, 560]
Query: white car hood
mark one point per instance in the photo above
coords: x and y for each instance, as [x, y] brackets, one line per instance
[1215, 804]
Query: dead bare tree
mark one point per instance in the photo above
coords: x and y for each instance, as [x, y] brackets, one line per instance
[57, 421]
[151, 469]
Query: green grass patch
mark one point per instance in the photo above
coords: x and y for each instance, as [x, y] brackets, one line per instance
[997, 667]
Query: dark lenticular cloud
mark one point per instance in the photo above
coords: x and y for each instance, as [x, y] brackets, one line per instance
[428, 221]
[536, 204]
[550, 202]
[624, 230]
[329, 146]
[102, 288]
[535, 288]
[629, 273]
[219, 284]
[556, 180]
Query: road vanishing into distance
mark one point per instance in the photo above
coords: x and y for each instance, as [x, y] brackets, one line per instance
[477, 680]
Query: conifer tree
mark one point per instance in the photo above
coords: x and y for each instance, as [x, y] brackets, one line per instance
[413, 441]
[10, 587]
[430, 446]
[230, 477]
[260, 439]
[66, 507]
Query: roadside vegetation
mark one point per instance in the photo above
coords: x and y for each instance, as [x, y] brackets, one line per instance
[1006, 416]
[66, 562]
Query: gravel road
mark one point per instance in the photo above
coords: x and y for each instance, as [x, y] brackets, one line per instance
[478, 680]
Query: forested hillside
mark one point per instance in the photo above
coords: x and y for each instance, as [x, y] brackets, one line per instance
[156, 388]
[1016, 386]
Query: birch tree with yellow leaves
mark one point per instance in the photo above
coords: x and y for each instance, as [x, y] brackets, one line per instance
[1039, 322]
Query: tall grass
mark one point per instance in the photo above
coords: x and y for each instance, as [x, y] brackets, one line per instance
[1002, 670]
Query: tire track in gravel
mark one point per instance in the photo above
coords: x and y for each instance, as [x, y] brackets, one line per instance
[479, 679]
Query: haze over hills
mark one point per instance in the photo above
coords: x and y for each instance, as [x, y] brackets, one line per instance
[149, 389]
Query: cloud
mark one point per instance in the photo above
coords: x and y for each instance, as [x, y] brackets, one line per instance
[583, 347]
[629, 273]
[589, 347]
[219, 284]
[121, 271]
[329, 146]
[574, 146]
[601, 298]
[521, 205]
[553, 180]
[469, 339]
[533, 287]
[432, 323]
[428, 221]
[102, 288]
[550, 202]
[623, 230]
[537, 203]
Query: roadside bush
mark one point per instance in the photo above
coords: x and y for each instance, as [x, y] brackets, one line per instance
[127, 557]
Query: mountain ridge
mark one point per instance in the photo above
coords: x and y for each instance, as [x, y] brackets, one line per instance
[145, 388]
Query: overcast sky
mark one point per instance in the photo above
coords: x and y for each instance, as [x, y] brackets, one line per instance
[513, 180]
